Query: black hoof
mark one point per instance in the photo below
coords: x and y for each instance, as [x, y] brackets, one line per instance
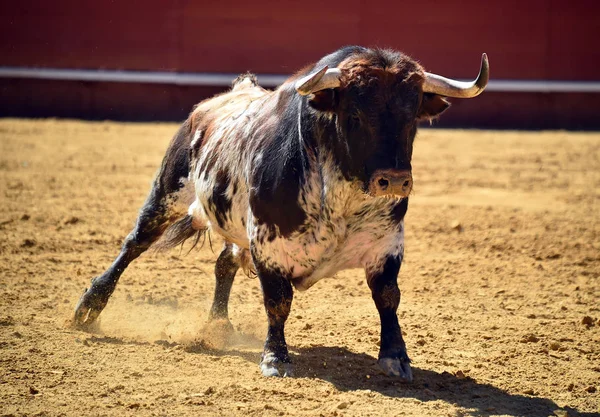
[397, 367]
[271, 366]
[88, 309]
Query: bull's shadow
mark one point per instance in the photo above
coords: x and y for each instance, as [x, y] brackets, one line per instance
[350, 371]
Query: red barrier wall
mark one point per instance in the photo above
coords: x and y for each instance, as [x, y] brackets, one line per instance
[536, 39]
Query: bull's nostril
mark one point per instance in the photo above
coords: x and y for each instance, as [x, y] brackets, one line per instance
[406, 183]
[383, 183]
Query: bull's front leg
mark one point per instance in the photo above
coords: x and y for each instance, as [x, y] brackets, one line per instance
[383, 282]
[278, 295]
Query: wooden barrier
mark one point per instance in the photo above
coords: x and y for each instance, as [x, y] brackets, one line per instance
[534, 40]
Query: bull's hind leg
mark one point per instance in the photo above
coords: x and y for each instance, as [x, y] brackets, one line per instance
[164, 205]
[226, 267]
[151, 223]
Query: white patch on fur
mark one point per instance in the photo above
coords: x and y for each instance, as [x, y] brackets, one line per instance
[197, 135]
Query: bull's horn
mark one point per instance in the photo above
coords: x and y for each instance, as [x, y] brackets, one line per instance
[460, 89]
[320, 80]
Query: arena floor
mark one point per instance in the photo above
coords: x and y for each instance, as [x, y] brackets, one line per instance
[500, 288]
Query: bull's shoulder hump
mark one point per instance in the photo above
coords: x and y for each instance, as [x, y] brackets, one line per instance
[242, 93]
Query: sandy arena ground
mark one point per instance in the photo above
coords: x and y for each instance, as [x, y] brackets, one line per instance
[500, 288]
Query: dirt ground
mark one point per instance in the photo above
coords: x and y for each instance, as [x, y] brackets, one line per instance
[500, 288]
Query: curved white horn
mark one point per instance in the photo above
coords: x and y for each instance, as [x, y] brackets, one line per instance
[448, 87]
[320, 80]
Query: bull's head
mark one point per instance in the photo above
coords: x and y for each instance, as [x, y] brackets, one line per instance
[377, 98]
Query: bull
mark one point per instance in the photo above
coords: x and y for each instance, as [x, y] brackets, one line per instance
[300, 182]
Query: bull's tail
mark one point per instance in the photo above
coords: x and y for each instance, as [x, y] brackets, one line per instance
[180, 231]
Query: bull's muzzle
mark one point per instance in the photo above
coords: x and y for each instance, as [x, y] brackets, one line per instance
[390, 182]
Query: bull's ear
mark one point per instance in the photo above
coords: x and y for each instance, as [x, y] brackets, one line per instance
[432, 106]
[325, 100]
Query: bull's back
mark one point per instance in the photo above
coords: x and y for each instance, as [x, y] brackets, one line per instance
[221, 153]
